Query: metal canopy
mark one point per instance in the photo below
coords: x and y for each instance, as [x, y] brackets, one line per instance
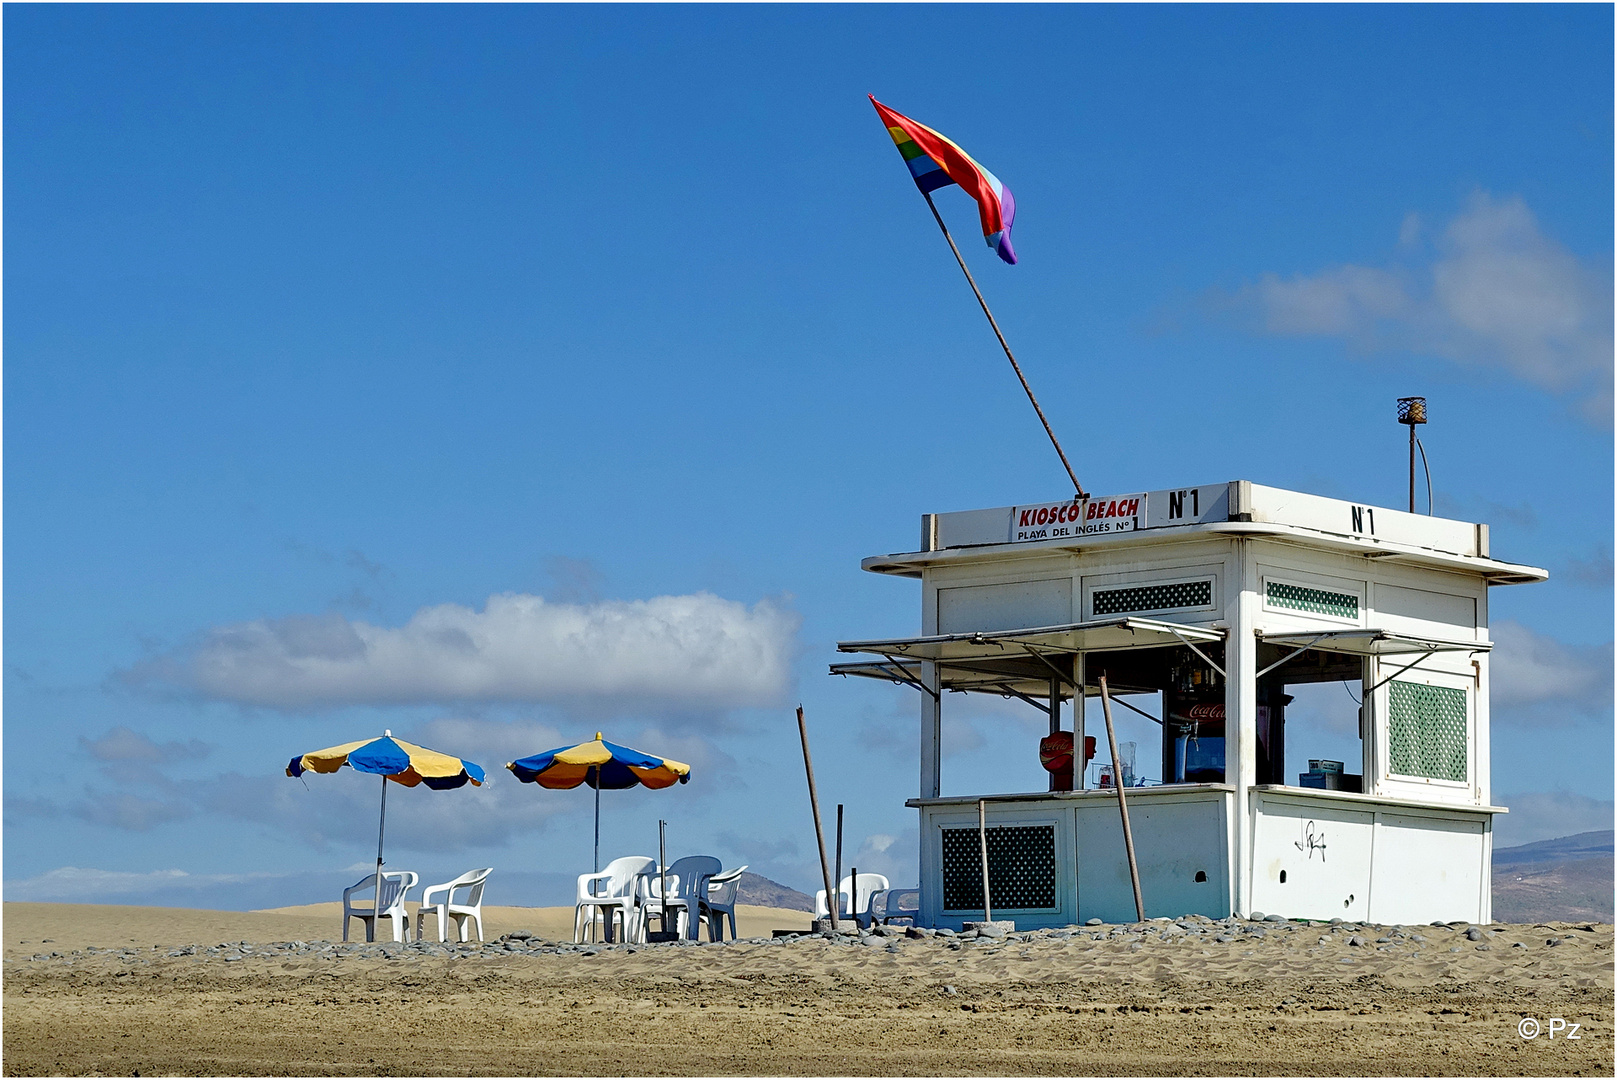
[1372, 642]
[1014, 662]
[1126, 632]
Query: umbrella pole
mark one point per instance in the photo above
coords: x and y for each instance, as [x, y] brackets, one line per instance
[596, 769]
[381, 831]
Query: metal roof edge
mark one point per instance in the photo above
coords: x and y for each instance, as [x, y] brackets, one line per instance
[911, 564]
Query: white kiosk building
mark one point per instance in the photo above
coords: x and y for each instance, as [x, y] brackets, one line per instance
[1216, 598]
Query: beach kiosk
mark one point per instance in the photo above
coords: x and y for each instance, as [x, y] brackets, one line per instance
[1212, 600]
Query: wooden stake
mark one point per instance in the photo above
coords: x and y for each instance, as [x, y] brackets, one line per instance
[819, 832]
[982, 841]
[662, 870]
[1122, 803]
[837, 874]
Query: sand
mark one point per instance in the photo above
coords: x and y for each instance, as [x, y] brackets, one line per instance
[1102, 1001]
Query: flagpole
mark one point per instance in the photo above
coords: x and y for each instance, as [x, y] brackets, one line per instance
[1076, 486]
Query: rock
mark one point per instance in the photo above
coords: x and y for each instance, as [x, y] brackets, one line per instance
[1094, 922]
[949, 990]
[1473, 934]
[917, 932]
[996, 929]
[1256, 916]
[1355, 940]
[944, 931]
[1274, 918]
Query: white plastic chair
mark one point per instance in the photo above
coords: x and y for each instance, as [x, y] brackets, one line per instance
[395, 886]
[721, 902]
[471, 911]
[609, 897]
[687, 888]
[866, 886]
[887, 905]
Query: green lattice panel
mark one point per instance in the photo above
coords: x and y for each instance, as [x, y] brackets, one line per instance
[1426, 733]
[1021, 868]
[1178, 594]
[1314, 601]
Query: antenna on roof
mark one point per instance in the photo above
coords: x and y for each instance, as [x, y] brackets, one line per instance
[1412, 411]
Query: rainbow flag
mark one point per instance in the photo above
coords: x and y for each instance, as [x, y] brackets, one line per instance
[937, 162]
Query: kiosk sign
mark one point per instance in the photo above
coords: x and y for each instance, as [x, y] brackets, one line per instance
[1078, 517]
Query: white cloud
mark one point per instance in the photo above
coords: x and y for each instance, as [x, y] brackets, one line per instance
[894, 857]
[1496, 293]
[1546, 815]
[124, 810]
[71, 883]
[1594, 572]
[669, 653]
[123, 744]
[1544, 680]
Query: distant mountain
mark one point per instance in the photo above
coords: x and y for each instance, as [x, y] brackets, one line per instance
[1568, 879]
[1584, 845]
[759, 890]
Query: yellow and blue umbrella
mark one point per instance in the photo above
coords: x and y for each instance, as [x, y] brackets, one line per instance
[599, 764]
[395, 760]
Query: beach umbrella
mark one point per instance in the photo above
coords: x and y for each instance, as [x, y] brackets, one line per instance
[395, 760]
[599, 764]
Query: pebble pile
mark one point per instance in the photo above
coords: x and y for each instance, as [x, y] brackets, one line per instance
[1228, 933]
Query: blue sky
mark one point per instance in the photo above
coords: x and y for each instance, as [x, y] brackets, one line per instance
[378, 331]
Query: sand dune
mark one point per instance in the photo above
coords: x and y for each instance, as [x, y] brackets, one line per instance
[1157, 999]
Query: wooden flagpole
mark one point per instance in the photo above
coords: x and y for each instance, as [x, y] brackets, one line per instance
[1077, 488]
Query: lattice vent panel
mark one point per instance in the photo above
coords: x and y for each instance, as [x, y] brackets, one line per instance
[1313, 601]
[1426, 733]
[1021, 868]
[1168, 597]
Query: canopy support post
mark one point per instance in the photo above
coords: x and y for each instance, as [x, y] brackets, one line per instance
[1191, 645]
[1422, 658]
[1288, 656]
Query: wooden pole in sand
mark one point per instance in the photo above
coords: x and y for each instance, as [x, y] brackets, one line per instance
[1122, 804]
[836, 874]
[982, 842]
[819, 831]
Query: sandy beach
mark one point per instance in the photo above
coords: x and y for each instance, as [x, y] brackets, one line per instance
[123, 990]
